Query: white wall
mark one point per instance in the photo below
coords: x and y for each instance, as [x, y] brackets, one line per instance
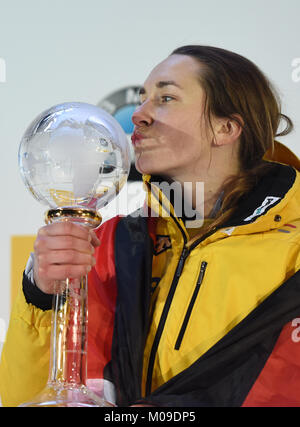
[54, 51]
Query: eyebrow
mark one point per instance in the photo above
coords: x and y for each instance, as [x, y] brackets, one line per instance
[160, 85]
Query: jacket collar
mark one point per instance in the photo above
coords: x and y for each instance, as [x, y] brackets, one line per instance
[274, 201]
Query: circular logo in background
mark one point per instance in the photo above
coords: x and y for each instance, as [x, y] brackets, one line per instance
[121, 104]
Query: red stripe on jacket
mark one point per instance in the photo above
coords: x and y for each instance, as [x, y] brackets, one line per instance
[102, 294]
[278, 384]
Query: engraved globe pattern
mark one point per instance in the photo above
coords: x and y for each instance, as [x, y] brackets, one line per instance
[74, 155]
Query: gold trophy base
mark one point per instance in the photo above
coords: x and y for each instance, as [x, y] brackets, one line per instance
[84, 216]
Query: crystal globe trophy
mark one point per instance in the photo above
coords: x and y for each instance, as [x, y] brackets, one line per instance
[74, 158]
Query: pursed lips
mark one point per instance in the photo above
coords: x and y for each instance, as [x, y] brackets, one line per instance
[137, 137]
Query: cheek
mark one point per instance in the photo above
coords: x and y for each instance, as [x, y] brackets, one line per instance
[172, 155]
[185, 130]
[180, 146]
[172, 146]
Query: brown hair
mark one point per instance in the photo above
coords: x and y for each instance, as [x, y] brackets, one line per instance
[236, 86]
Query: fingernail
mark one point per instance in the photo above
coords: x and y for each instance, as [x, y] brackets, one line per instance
[94, 235]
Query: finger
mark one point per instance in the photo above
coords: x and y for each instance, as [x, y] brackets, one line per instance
[45, 243]
[61, 272]
[60, 257]
[94, 239]
[65, 228]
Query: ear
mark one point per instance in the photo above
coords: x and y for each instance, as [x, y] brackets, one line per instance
[227, 130]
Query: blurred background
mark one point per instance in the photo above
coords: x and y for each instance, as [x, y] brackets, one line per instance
[99, 52]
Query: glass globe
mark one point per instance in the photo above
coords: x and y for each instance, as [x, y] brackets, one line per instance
[74, 155]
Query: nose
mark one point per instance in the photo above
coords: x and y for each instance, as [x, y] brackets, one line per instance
[142, 116]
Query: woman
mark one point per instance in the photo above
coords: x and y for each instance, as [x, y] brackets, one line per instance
[185, 310]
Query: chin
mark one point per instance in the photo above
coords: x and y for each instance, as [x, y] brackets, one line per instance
[153, 166]
[145, 168]
[148, 170]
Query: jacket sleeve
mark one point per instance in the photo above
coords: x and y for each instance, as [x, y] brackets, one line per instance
[25, 356]
[24, 367]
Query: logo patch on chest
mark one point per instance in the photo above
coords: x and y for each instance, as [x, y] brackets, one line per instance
[162, 244]
[269, 201]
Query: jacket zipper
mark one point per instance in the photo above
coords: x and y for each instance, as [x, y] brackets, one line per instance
[191, 305]
[163, 318]
[164, 315]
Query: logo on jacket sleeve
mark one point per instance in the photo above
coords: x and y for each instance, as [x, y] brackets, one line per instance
[270, 200]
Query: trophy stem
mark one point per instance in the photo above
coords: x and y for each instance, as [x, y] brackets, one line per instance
[68, 358]
[66, 386]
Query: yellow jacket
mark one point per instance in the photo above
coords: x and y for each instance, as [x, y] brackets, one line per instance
[202, 291]
[222, 278]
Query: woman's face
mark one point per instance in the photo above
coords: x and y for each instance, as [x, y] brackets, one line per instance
[170, 136]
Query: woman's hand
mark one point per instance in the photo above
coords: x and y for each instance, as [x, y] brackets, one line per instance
[62, 250]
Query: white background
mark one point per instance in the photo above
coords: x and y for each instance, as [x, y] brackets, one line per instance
[71, 50]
